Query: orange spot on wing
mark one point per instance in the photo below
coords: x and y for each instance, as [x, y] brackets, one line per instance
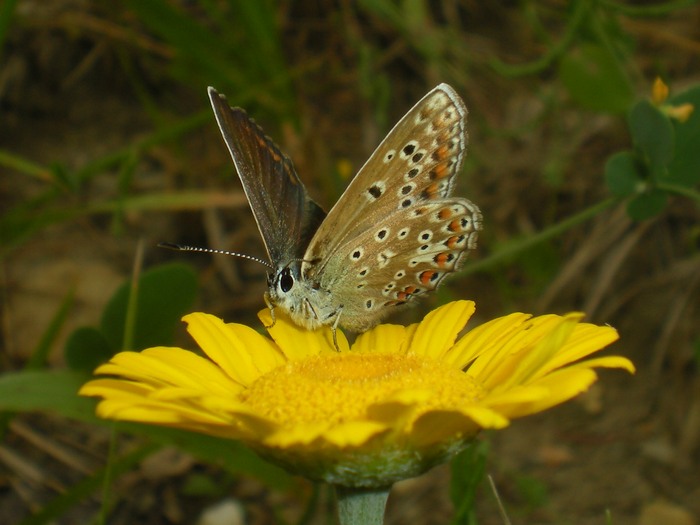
[439, 172]
[426, 276]
[431, 191]
[441, 152]
[444, 214]
[441, 259]
[453, 241]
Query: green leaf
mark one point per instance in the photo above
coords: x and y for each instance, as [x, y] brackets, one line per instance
[86, 348]
[685, 167]
[653, 137]
[165, 294]
[622, 174]
[467, 469]
[48, 391]
[647, 205]
[595, 79]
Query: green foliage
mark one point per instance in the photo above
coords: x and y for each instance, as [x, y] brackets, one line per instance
[163, 295]
[468, 469]
[621, 173]
[595, 79]
[87, 347]
[47, 391]
[665, 159]
[684, 168]
[652, 137]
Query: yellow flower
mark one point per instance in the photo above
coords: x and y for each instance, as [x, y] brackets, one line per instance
[396, 403]
[659, 94]
[659, 91]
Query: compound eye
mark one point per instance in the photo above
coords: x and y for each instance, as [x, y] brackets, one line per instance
[286, 280]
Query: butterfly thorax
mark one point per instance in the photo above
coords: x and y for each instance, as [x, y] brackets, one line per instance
[302, 299]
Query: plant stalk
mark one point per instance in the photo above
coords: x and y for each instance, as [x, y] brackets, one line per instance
[358, 506]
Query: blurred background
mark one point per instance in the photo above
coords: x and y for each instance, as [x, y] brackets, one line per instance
[108, 146]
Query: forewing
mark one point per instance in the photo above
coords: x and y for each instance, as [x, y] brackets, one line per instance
[416, 163]
[286, 216]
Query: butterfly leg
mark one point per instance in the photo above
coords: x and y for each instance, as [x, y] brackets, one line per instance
[335, 327]
[271, 307]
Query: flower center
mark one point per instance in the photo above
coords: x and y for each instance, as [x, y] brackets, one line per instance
[341, 387]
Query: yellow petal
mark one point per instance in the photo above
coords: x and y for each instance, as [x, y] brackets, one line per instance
[585, 340]
[107, 387]
[353, 433]
[201, 374]
[436, 334]
[612, 361]
[383, 338]
[562, 385]
[438, 426]
[548, 335]
[399, 408]
[301, 434]
[240, 351]
[659, 91]
[161, 366]
[485, 342]
[299, 343]
[681, 113]
[147, 410]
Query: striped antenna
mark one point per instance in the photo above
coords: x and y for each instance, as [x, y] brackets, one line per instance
[185, 248]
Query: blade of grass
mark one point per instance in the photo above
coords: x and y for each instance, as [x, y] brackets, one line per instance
[25, 166]
[132, 308]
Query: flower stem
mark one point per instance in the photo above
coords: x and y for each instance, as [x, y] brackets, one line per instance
[361, 506]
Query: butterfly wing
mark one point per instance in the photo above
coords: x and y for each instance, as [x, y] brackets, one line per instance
[286, 216]
[396, 232]
[417, 161]
[401, 259]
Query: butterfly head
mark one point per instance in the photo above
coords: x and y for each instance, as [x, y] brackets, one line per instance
[301, 298]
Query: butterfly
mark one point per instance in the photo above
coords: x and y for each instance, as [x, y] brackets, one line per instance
[393, 235]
